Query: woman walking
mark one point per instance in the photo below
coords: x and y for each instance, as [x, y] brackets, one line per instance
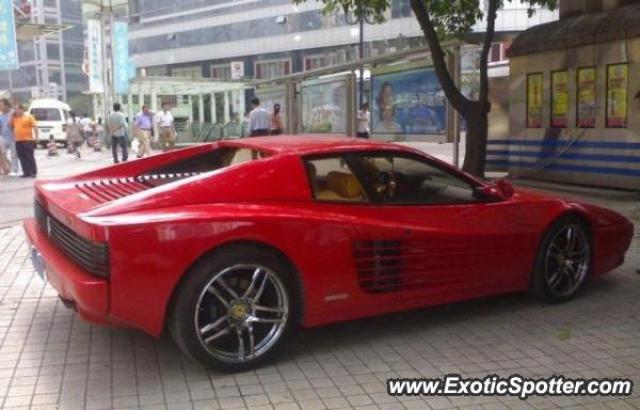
[277, 125]
[75, 135]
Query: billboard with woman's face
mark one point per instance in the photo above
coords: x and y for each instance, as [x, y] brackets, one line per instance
[408, 102]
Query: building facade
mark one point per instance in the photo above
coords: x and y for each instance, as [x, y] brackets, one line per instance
[272, 38]
[575, 98]
[51, 65]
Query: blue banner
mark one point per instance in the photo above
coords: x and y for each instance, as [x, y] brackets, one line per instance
[408, 102]
[8, 46]
[121, 61]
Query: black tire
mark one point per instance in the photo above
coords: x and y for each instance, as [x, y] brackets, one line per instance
[545, 284]
[193, 303]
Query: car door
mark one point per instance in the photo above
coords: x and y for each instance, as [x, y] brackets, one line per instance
[435, 235]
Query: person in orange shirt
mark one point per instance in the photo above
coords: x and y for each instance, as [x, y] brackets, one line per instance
[26, 134]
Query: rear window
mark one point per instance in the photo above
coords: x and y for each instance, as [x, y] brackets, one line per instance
[209, 161]
[46, 114]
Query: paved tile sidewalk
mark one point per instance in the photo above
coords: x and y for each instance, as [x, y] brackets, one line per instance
[50, 359]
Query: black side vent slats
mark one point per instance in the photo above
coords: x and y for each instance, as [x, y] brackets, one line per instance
[379, 265]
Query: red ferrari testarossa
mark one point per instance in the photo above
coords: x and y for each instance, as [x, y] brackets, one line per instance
[231, 245]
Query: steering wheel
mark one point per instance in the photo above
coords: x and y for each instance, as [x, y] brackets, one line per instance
[386, 185]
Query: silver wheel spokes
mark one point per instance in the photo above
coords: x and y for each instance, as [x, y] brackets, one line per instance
[241, 313]
[567, 260]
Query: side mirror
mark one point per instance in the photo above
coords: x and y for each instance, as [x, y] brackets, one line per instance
[499, 190]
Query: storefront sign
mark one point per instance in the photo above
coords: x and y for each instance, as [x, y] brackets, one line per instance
[237, 70]
[617, 82]
[534, 100]
[94, 37]
[559, 99]
[8, 45]
[409, 102]
[586, 97]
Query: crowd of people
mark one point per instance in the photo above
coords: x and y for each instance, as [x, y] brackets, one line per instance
[19, 136]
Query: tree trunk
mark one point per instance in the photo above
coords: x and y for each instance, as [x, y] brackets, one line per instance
[476, 141]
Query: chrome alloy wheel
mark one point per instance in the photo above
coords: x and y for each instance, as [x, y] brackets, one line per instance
[567, 260]
[241, 313]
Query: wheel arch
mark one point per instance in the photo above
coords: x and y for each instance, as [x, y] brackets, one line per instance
[243, 243]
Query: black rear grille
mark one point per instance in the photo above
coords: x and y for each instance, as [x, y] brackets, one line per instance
[89, 255]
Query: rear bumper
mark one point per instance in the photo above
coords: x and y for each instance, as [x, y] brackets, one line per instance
[90, 294]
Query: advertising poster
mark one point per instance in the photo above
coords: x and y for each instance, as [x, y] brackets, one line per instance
[324, 107]
[8, 45]
[534, 100]
[617, 82]
[122, 69]
[560, 99]
[586, 97]
[270, 96]
[94, 37]
[408, 102]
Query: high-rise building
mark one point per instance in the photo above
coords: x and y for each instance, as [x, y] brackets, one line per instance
[200, 38]
[51, 65]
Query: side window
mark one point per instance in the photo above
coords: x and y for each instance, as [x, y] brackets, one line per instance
[332, 180]
[407, 181]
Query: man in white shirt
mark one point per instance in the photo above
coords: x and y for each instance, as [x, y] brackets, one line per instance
[167, 128]
[259, 119]
[363, 121]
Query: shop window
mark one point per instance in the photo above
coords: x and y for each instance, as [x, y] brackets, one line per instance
[272, 69]
[586, 97]
[559, 98]
[617, 95]
[188, 72]
[221, 71]
[534, 100]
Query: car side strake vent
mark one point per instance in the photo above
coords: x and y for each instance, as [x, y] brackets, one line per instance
[107, 190]
[379, 265]
[153, 180]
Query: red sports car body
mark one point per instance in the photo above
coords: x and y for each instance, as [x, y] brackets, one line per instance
[363, 227]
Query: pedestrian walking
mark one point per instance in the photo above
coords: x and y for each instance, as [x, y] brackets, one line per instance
[75, 134]
[259, 119]
[99, 133]
[117, 130]
[7, 139]
[87, 128]
[364, 118]
[26, 133]
[5, 165]
[143, 124]
[167, 128]
[277, 125]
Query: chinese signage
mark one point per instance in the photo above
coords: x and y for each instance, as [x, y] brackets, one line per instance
[617, 81]
[8, 47]
[324, 107]
[586, 97]
[534, 100]
[94, 37]
[121, 61]
[237, 70]
[559, 98]
[410, 101]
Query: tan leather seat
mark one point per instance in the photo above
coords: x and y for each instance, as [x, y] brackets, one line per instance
[341, 186]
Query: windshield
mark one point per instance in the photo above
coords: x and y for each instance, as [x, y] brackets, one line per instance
[46, 114]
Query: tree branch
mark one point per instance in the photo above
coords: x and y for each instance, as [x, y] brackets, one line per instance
[455, 97]
[484, 55]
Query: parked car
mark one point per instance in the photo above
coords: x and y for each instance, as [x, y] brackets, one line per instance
[231, 245]
[51, 116]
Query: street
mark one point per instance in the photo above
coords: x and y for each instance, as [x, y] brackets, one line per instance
[50, 358]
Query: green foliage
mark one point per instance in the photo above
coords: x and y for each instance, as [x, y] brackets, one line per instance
[451, 17]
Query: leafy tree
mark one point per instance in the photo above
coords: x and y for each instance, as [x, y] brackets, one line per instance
[441, 20]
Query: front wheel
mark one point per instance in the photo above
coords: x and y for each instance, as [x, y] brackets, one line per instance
[235, 308]
[563, 263]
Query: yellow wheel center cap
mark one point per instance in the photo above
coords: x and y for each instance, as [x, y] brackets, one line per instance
[238, 311]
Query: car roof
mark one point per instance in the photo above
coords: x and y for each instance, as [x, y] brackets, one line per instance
[314, 144]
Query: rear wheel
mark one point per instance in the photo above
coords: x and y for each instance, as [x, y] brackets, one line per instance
[235, 308]
[563, 263]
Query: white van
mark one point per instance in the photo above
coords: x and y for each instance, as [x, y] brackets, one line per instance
[51, 116]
